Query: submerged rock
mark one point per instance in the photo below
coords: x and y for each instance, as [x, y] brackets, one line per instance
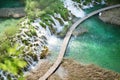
[79, 31]
[111, 16]
[12, 12]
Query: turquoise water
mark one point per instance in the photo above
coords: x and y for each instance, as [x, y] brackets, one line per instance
[11, 3]
[4, 23]
[100, 46]
[9, 22]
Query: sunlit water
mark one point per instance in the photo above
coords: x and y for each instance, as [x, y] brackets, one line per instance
[100, 46]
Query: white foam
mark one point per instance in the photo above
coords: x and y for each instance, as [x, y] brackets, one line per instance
[74, 8]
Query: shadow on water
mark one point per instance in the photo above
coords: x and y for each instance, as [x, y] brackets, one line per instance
[100, 46]
[11, 3]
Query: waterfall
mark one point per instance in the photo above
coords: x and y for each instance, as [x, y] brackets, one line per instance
[30, 61]
[103, 2]
[90, 4]
[58, 26]
[52, 40]
[59, 16]
[41, 38]
[74, 8]
[4, 76]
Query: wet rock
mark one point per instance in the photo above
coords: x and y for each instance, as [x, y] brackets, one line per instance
[79, 31]
[44, 53]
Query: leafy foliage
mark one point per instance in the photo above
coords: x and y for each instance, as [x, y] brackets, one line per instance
[10, 55]
[32, 9]
[11, 62]
[6, 38]
[39, 8]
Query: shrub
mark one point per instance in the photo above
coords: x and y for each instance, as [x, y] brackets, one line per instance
[11, 62]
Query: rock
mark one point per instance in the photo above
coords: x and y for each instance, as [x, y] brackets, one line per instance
[12, 12]
[79, 31]
[111, 16]
[44, 53]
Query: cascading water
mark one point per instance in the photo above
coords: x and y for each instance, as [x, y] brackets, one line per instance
[74, 8]
[41, 37]
[5, 75]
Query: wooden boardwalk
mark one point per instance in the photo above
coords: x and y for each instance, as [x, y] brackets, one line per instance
[66, 40]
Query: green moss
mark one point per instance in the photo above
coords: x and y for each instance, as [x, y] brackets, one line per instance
[25, 42]
[43, 25]
[4, 46]
[11, 62]
[33, 32]
[29, 34]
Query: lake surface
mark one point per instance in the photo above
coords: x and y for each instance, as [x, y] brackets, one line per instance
[99, 46]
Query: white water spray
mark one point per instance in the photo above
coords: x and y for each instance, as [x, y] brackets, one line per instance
[74, 8]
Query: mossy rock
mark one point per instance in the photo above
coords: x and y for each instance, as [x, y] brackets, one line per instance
[79, 31]
[25, 42]
[44, 53]
[43, 25]
[28, 33]
[33, 32]
[34, 56]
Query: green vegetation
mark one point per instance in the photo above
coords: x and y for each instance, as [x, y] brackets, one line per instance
[111, 2]
[42, 8]
[32, 9]
[6, 38]
[10, 59]
[11, 62]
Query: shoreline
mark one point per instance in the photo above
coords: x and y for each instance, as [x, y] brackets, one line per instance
[72, 70]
